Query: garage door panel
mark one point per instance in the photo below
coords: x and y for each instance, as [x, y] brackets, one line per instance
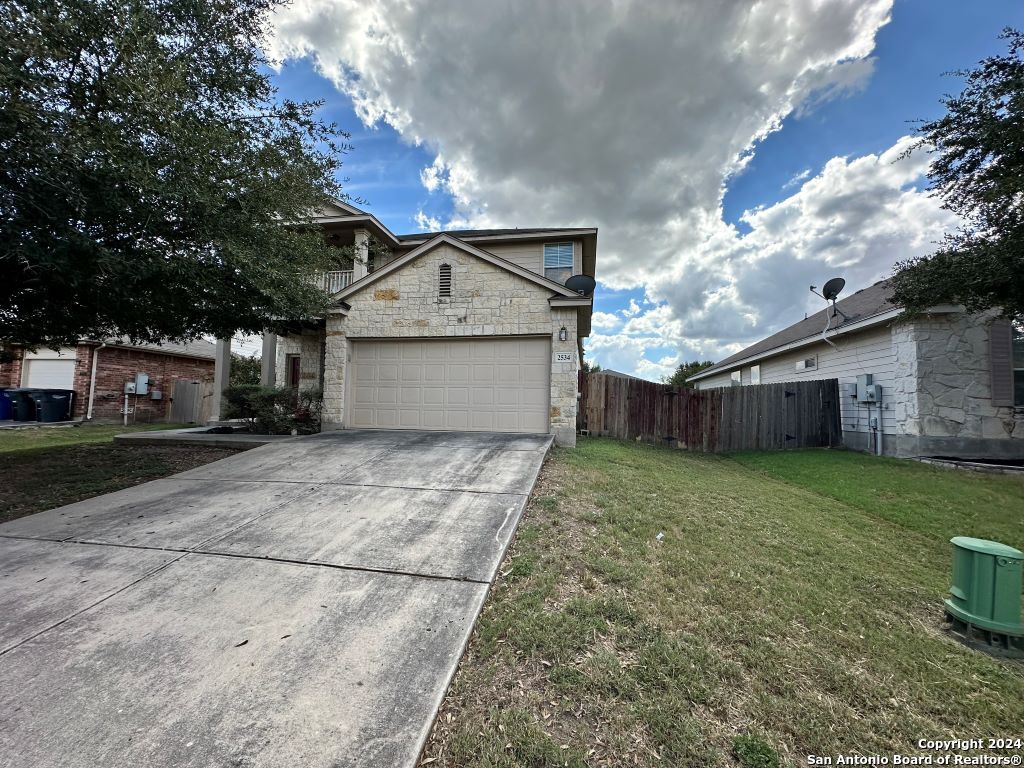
[411, 395]
[409, 418]
[506, 396]
[50, 374]
[432, 420]
[481, 396]
[456, 419]
[481, 421]
[483, 374]
[458, 396]
[508, 374]
[534, 375]
[494, 384]
[412, 372]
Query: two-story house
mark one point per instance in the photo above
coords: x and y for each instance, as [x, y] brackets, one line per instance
[470, 330]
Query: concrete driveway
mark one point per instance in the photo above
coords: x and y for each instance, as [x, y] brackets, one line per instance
[303, 603]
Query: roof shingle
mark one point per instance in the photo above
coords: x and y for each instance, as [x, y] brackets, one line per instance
[865, 303]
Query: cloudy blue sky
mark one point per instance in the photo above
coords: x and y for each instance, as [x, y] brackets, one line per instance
[731, 153]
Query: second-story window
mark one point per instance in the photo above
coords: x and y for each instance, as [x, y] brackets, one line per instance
[444, 280]
[558, 261]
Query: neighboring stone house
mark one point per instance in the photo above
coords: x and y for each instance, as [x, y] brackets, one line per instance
[470, 330]
[950, 383]
[116, 363]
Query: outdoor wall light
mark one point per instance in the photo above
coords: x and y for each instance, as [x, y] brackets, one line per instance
[563, 334]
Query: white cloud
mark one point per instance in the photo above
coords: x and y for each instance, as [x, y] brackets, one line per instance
[631, 115]
[427, 223]
[797, 179]
[605, 321]
[631, 310]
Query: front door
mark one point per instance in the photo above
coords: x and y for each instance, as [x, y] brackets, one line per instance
[292, 368]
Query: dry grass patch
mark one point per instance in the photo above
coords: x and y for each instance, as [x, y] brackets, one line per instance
[772, 621]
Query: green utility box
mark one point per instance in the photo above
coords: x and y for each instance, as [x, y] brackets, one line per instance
[985, 599]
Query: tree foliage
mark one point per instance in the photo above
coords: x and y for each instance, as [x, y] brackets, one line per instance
[978, 171]
[148, 168]
[245, 370]
[685, 370]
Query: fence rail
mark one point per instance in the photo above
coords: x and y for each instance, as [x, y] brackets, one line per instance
[800, 414]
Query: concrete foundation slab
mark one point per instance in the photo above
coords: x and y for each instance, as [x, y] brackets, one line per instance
[436, 533]
[45, 583]
[218, 661]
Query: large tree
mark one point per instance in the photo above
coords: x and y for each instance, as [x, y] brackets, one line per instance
[978, 171]
[685, 370]
[148, 169]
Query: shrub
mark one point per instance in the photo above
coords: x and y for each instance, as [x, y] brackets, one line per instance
[275, 410]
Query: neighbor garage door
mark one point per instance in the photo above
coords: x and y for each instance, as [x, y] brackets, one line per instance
[47, 369]
[495, 384]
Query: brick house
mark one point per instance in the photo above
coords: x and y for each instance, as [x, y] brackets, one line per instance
[116, 362]
[467, 330]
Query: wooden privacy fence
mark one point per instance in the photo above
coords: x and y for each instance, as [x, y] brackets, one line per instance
[799, 414]
[191, 402]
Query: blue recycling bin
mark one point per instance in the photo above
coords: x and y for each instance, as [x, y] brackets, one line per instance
[6, 407]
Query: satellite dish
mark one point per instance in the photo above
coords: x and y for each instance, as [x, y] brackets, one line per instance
[833, 288]
[581, 284]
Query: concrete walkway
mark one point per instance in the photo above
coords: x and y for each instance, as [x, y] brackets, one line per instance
[302, 603]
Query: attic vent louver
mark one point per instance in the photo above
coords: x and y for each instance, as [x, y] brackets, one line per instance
[444, 283]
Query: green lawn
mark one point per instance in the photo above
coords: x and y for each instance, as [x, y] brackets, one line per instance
[49, 467]
[794, 607]
[17, 440]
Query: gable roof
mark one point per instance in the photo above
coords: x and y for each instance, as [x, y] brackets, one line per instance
[345, 209]
[485, 233]
[871, 302]
[200, 348]
[448, 239]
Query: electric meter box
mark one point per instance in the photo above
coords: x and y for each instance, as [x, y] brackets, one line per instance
[867, 390]
[141, 384]
[129, 387]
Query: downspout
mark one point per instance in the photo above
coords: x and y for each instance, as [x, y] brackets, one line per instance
[92, 379]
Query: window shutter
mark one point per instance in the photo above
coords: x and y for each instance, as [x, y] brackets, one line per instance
[1000, 360]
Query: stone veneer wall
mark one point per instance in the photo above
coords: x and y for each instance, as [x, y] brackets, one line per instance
[485, 301]
[309, 346]
[948, 391]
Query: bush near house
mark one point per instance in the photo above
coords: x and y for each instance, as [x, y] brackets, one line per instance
[275, 410]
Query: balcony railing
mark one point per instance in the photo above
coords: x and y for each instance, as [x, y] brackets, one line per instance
[333, 282]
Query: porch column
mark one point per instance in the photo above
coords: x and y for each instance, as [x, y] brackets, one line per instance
[268, 360]
[335, 363]
[221, 377]
[360, 266]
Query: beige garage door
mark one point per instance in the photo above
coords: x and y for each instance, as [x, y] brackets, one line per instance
[47, 369]
[478, 385]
